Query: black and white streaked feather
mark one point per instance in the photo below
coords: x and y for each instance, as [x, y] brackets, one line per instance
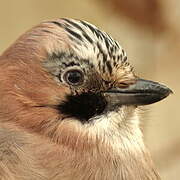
[93, 44]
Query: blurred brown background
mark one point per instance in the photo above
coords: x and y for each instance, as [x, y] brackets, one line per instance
[149, 30]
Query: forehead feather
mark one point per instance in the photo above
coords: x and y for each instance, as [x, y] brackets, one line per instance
[89, 43]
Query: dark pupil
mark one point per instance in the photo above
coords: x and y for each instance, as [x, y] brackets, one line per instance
[74, 77]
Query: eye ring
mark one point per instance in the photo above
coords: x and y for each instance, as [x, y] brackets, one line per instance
[73, 77]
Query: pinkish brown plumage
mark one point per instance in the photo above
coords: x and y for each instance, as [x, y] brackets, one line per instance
[68, 107]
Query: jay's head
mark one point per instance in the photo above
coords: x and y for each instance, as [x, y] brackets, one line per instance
[67, 79]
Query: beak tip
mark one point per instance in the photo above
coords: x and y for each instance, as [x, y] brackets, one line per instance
[170, 91]
[167, 92]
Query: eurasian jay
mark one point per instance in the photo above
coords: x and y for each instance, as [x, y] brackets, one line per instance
[69, 107]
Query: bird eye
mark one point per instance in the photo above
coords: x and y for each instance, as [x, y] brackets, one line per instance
[73, 77]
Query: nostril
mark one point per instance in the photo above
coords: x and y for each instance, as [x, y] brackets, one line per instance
[126, 83]
[123, 85]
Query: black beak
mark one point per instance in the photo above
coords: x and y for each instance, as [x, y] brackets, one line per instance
[142, 92]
